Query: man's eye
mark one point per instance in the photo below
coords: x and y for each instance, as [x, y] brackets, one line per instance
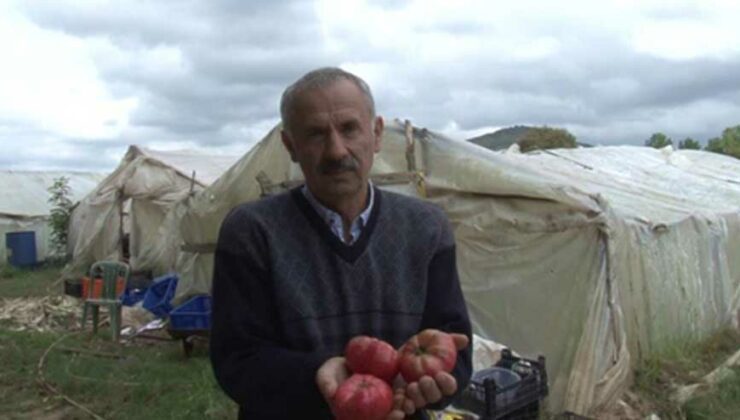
[315, 134]
[350, 128]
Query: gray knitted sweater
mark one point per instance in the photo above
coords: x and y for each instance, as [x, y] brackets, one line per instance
[288, 294]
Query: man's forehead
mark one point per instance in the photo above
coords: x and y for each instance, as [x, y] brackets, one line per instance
[338, 101]
[339, 115]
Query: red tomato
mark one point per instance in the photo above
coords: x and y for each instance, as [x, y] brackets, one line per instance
[427, 353]
[372, 356]
[363, 397]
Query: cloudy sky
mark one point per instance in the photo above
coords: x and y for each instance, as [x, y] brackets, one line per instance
[81, 80]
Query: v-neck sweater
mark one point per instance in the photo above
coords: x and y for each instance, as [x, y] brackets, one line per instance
[288, 294]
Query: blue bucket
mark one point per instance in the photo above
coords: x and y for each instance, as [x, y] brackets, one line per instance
[21, 248]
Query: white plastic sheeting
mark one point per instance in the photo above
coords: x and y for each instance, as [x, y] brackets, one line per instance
[24, 203]
[591, 257]
[134, 199]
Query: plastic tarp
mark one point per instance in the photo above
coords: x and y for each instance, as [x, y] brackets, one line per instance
[134, 199]
[24, 203]
[592, 257]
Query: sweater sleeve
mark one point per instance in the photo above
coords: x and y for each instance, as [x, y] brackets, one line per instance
[446, 310]
[253, 367]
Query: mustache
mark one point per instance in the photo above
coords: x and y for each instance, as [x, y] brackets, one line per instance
[347, 163]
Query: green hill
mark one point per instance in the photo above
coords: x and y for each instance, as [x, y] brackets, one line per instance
[505, 137]
[501, 139]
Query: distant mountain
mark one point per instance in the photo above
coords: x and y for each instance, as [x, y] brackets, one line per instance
[501, 139]
[505, 137]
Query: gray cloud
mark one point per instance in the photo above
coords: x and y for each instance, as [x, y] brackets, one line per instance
[584, 86]
[22, 150]
[233, 59]
[208, 73]
[675, 11]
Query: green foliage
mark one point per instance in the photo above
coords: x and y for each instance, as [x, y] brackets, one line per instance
[658, 141]
[685, 361]
[728, 144]
[546, 138]
[60, 214]
[714, 145]
[720, 404]
[731, 139]
[689, 143]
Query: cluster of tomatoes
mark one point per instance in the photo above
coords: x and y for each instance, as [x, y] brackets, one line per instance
[374, 364]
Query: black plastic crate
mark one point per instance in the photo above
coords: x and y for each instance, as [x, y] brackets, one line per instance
[521, 400]
[140, 279]
[73, 288]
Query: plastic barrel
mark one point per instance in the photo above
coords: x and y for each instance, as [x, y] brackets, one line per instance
[21, 248]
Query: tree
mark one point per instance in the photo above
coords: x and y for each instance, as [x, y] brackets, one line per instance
[689, 143]
[714, 145]
[60, 214]
[546, 138]
[731, 140]
[658, 141]
[728, 144]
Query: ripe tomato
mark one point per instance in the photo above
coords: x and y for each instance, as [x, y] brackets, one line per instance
[372, 356]
[363, 397]
[427, 353]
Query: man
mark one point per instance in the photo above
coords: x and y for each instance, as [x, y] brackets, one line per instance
[297, 275]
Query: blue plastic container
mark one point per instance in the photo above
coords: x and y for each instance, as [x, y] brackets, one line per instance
[21, 248]
[195, 314]
[131, 297]
[159, 294]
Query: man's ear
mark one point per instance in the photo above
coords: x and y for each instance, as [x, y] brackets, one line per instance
[288, 143]
[378, 132]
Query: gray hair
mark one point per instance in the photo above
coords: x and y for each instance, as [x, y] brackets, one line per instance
[321, 78]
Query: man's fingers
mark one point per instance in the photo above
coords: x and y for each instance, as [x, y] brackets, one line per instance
[447, 383]
[401, 403]
[409, 407]
[461, 340]
[430, 390]
[413, 392]
[398, 399]
[396, 414]
[329, 375]
[327, 385]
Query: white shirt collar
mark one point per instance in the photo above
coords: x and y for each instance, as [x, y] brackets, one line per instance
[334, 220]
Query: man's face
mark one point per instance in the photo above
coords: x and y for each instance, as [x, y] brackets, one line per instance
[334, 140]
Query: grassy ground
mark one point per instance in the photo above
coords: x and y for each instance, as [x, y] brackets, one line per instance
[154, 380]
[146, 380]
[26, 283]
[686, 363]
[722, 404]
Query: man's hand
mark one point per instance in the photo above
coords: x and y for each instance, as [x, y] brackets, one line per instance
[429, 390]
[401, 405]
[407, 398]
[334, 372]
[330, 375]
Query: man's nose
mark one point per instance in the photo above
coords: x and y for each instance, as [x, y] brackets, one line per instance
[336, 148]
